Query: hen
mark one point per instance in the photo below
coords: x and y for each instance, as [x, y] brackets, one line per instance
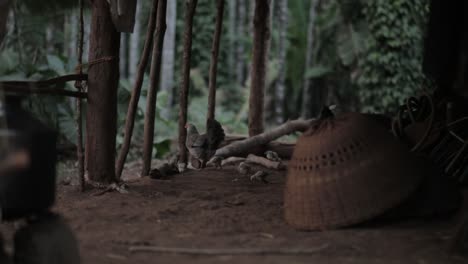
[203, 146]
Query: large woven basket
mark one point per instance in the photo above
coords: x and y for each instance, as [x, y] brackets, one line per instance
[346, 170]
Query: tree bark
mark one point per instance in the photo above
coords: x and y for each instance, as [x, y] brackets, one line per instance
[250, 29]
[148, 136]
[259, 66]
[169, 47]
[103, 79]
[79, 103]
[87, 33]
[123, 61]
[231, 37]
[240, 50]
[306, 92]
[214, 60]
[133, 105]
[134, 45]
[190, 6]
[282, 49]
[73, 30]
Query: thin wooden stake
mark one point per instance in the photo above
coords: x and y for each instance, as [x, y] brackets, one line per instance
[190, 6]
[79, 124]
[155, 75]
[214, 60]
[133, 105]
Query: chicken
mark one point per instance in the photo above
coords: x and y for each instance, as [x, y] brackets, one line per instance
[203, 146]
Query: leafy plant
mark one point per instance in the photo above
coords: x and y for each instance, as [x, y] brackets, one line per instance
[391, 68]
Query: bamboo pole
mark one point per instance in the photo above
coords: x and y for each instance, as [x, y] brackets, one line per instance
[190, 6]
[155, 74]
[79, 124]
[214, 61]
[133, 105]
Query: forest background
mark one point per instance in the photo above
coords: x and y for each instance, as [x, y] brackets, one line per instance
[361, 55]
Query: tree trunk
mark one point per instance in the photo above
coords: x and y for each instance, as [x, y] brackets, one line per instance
[79, 103]
[214, 60]
[148, 136]
[73, 29]
[282, 49]
[307, 110]
[240, 50]
[103, 79]
[259, 66]
[49, 39]
[123, 61]
[190, 6]
[134, 45]
[169, 47]
[231, 37]
[250, 29]
[87, 33]
[270, 86]
[133, 105]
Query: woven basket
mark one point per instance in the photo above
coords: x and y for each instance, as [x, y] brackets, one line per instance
[346, 170]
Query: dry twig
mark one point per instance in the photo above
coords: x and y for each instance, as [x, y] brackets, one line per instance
[229, 251]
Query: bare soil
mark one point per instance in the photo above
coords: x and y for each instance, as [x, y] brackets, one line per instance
[219, 209]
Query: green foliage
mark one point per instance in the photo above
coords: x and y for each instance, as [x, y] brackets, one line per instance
[57, 112]
[391, 68]
[36, 6]
[366, 49]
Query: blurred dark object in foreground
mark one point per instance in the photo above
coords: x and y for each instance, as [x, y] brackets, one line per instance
[446, 62]
[27, 189]
[31, 190]
[446, 46]
[46, 239]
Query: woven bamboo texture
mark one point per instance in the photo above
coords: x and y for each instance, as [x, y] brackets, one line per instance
[346, 170]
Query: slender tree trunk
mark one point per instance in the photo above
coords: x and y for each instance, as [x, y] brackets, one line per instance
[306, 92]
[87, 33]
[270, 86]
[232, 36]
[282, 49]
[259, 66]
[214, 60]
[123, 62]
[49, 39]
[66, 35]
[79, 103]
[169, 47]
[133, 105]
[103, 79]
[240, 50]
[73, 29]
[135, 44]
[250, 29]
[190, 6]
[148, 136]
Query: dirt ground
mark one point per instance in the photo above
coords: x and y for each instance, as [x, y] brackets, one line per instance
[214, 209]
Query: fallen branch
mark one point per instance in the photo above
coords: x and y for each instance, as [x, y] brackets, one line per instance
[239, 147]
[269, 164]
[232, 161]
[229, 251]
